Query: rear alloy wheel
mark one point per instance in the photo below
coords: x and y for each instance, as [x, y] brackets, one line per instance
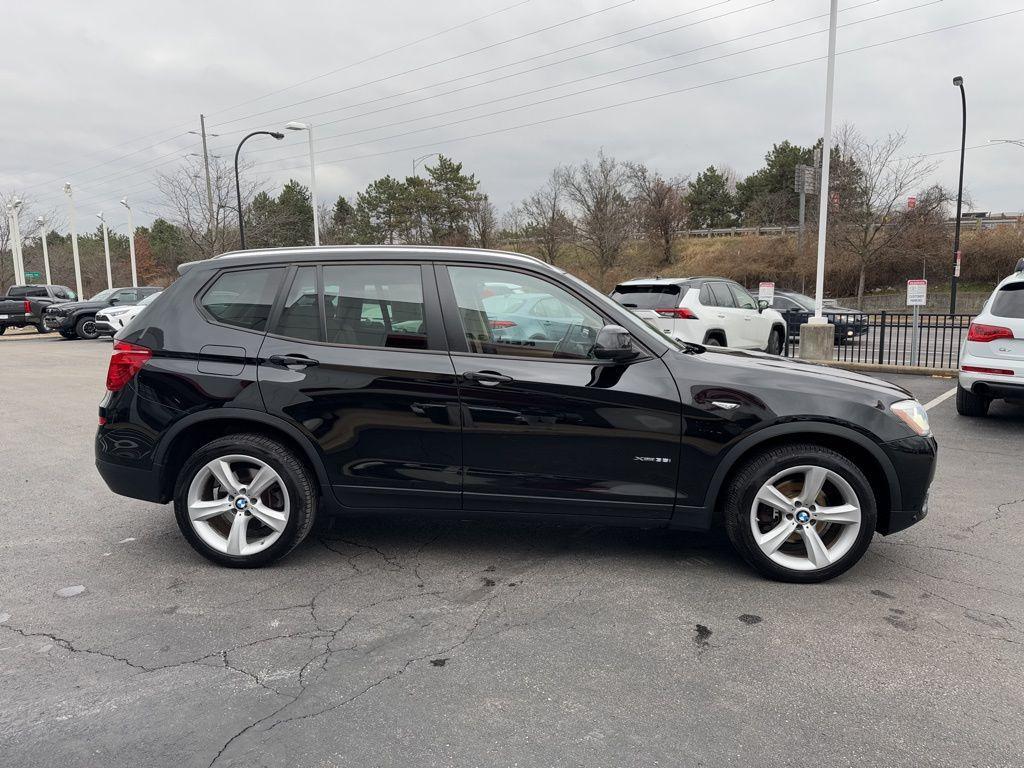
[86, 328]
[800, 513]
[42, 328]
[244, 501]
[970, 404]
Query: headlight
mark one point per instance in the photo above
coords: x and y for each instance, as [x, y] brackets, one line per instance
[113, 312]
[913, 414]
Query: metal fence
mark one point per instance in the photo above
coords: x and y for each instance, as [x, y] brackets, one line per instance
[888, 338]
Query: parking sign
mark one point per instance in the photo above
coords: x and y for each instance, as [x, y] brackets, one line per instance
[766, 291]
[917, 293]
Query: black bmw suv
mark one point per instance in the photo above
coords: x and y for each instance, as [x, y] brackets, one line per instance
[264, 388]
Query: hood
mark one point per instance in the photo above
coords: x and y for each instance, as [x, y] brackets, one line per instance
[804, 373]
[72, 306]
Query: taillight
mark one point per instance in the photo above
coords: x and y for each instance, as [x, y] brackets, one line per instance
[499, 324]
[125, 361]
[993, 371]
[677, 313]
[983, 333]
[28, 308]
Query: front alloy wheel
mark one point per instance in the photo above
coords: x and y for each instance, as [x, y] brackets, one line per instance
[800, 513]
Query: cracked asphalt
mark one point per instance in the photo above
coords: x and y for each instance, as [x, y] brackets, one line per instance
[466, 643]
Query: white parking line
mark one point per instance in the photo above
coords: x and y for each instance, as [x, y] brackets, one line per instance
[940, 399]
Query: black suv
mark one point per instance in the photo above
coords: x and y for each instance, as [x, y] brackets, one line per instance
[266, 387]
[77, 319]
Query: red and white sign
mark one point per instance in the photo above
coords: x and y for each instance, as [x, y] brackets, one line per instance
[911, 203]
[766, 291]
[917, 293]
[956, 266]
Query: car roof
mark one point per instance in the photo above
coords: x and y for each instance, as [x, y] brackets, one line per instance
[355, 252]
[673, 280]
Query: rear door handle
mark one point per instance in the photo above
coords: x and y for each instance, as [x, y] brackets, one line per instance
[290, 360]
[487, 378]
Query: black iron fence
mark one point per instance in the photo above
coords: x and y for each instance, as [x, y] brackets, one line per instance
[888, 338]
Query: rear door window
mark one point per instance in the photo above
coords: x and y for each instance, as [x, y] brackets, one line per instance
[722, 294]
[652, 296]
[243, 298]
[300, 313]
[375, 305]
[1009, 301]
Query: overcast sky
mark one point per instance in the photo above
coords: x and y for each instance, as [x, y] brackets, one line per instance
[103, 93]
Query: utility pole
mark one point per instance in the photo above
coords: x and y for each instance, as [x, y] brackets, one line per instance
[19, 254]
[74, 240]
[826, 156]
[206, 164]
[959, 83]
[131, 241]
[46, 254]
[106, 248]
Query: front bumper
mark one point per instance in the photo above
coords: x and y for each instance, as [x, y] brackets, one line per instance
[913, 459]
[58, 322]
[106, 328]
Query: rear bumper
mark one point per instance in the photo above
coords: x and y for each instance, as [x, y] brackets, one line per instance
[1000, 386]
[134, 482]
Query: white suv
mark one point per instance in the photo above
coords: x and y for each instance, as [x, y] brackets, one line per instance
[992, 357]
[705, 310]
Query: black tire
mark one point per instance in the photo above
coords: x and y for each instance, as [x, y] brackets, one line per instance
[85, 328]
[970, 404]
[69, 335]
[774, 342]
[3, 330]
[713, 341]
[298, 480]
[42, 328]
[743, 487]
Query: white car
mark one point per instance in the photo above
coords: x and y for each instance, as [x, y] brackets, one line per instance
[712, 311]
[992, 357]
[110, 321]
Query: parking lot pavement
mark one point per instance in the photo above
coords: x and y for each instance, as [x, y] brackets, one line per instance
[413, 642]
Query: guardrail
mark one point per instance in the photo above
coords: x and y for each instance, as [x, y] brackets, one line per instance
[887, 338]
[966, 225]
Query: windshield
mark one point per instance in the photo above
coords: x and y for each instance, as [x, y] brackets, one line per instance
[149, 299]
[650, 296]
[103, 294]
[805, 302]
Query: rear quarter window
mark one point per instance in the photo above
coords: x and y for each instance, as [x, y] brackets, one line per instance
[243, 298]
[1009, 301]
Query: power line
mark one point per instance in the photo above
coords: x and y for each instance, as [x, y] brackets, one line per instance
[673, 92]
[294, 85]
[585, 90]
[445, 60]
[373, 57]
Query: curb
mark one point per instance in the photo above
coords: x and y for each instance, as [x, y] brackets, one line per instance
[910, 370]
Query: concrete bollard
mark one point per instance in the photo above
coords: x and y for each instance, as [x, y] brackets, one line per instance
[817, 341]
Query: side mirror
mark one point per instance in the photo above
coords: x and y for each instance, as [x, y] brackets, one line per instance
[614, 344]
[763, 304]
[114, 301]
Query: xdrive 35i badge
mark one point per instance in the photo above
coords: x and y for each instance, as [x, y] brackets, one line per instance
[652, 459]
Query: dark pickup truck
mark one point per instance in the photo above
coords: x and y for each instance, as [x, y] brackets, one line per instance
[23, 305]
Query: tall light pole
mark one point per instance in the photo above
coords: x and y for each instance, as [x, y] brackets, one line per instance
[958, 81]
[106, 248]
[417, 160]
[826, 156]
[74, 239]
[308, 128]
[238, 184]
[16, 234]
[131, 241]
[12, 226]
[46, 253]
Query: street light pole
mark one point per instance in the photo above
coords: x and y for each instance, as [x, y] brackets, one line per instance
[238, 183]
[826, 156]
[16, 208]
[417, 160]
[131, 241]
[74, 239]
[308, 128]
[959, 82]
[11, 227]
[46, 253]
[106, 248]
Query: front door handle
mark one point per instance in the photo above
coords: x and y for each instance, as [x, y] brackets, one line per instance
[487, 378]
[290, 360]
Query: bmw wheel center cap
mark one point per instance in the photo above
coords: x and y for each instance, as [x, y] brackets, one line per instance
[803, 516]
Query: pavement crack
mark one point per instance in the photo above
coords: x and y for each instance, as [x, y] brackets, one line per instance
[1001, 509]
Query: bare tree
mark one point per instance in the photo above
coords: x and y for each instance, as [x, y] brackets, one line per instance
[871, 183]
[545, 220]
[208, 226]
[483, 220]
[604, 216]
[27, 225]
[660, 206]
